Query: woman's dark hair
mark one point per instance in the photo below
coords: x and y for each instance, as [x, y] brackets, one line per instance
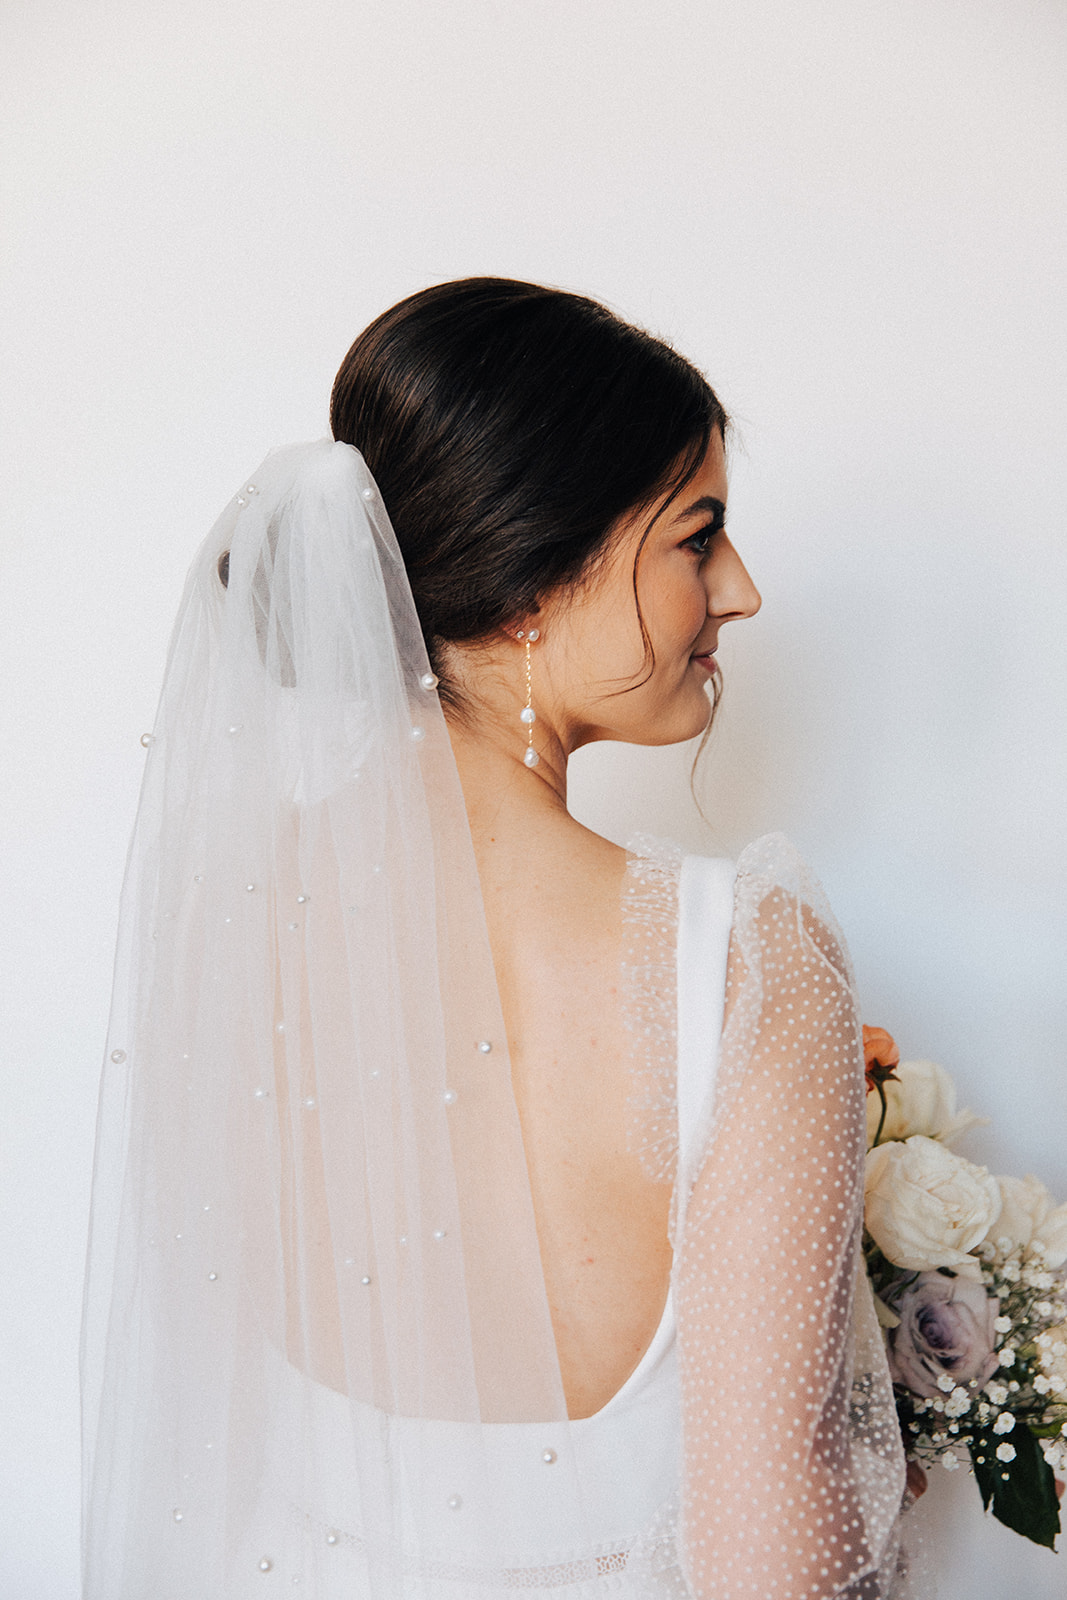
[508, 427]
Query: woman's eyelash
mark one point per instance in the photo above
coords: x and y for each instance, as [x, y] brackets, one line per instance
[700, 540]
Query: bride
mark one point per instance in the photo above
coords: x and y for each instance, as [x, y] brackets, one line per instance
[477, 1204]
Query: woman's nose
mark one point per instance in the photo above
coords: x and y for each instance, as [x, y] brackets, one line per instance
[731, 592]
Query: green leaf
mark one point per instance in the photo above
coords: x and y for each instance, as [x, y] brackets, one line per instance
[1021, 1493]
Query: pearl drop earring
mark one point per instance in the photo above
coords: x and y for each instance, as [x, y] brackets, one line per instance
[528, 716]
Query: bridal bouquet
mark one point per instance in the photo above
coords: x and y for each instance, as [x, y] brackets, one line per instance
[968, 1272]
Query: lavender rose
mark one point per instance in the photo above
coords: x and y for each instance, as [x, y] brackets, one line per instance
[946, 1326]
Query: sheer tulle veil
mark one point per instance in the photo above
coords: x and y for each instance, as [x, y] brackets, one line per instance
[314, 1289]
[310, 1177]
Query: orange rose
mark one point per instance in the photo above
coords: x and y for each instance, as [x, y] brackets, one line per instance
[880, 1056]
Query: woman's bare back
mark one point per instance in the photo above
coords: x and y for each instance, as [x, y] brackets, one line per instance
[555, 923]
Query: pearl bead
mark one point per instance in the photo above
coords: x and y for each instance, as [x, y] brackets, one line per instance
[302, 899]
[534, 633]
[548, 1456]
[212, 1277]
[260, 1094]
[147, 739]
[251, 489]
[484, 1047]
[293, 926]
[418, 733]
[279, 1027]
[177, 1515]
[310, 1102]
[449, 1097]
[429, 680]
[331, 1537]
[241, 501]
[265, 1565]
[365, 1281]
[531, 758]
[198, 877]
[527, 715]
[235, 727]
[368, 494]
[118, 1057]
[250, 887]
[454, 1502]
[440, 1233]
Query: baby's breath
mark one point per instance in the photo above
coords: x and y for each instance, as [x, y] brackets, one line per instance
[1030, 1384]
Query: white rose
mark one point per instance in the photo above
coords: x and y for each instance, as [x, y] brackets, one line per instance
[927, 1207]
[1028, 1215]
[924, 1101]
[1052, 1233]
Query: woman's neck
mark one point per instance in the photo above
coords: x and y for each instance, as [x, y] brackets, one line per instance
[529, 849]
[507, 800]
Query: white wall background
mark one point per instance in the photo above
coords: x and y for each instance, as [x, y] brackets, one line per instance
[852, 214]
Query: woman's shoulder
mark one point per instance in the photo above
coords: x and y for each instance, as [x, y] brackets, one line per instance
[769, 853]
[697, 900]
[769, 862]
[781, 916]
[664, 879]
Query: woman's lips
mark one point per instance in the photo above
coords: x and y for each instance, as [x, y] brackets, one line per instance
[708, 661]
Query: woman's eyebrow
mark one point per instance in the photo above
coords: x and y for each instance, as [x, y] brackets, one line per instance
[699, 508]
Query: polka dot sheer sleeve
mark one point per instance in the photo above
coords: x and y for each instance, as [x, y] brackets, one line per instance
[793, 1469]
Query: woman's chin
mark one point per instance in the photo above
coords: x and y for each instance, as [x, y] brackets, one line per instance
[679, 726]
[684, 716]
[699, 716]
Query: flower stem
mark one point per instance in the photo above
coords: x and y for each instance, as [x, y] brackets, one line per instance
[881, 1119]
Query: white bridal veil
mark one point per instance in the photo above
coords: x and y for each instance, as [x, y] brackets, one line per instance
[315, 1293]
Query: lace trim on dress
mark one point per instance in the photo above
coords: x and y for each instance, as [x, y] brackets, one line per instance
[645, 1568]
[649, 991]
